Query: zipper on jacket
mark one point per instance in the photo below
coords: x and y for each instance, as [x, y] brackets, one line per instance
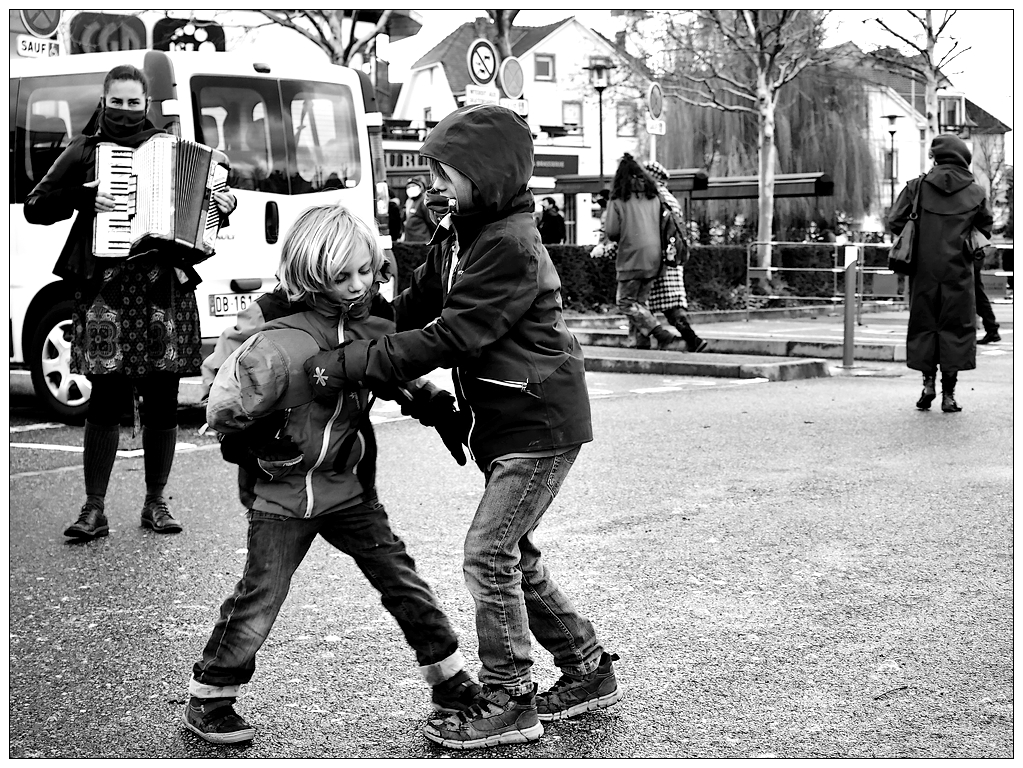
[519, 385]
[325, 445]
[457, 379]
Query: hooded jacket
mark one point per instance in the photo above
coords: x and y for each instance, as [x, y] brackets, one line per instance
[941, 330]
[487, 302]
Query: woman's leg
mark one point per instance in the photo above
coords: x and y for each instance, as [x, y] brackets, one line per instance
[159, 438]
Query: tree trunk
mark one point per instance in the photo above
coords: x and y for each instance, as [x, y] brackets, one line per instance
[931, 86]
[766, 104]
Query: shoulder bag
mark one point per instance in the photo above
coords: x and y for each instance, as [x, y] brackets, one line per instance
[901, 255]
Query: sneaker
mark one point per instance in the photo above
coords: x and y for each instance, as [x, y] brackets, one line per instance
[216, 721]
[91, 524]
[495, 718]
[157, 516]
[575, 695]
[456, 694]
[991, 337]
[697, 345]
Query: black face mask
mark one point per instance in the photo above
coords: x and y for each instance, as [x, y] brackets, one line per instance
[121, 123]
[438, 203]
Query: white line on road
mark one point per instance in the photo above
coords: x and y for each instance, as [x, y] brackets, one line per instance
[34, 427]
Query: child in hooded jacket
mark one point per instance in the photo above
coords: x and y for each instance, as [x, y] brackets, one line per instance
[330, 261]
[487, 304]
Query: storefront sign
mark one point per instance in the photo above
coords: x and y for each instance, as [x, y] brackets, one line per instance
[555, 165]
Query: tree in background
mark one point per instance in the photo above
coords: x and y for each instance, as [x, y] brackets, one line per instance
[738, 62]
[924, 62]
[503, 21]
[326, 28]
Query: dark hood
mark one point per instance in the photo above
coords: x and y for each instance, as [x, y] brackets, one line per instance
[491, 145]
[949, 179]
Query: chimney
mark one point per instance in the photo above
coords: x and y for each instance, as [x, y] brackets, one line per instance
[482, 27]
[620, 38]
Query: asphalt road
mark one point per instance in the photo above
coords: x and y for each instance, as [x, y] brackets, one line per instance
[791, 569]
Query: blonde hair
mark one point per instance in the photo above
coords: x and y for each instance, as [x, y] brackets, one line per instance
[317, 249]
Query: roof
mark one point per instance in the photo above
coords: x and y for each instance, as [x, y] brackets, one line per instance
[984, 122]
[908, 85]
[450, 52]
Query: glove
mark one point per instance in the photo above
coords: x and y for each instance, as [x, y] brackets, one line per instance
[452, 425]
[326, 372]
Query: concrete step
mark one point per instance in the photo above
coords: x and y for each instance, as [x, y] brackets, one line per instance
[730, 345]
[672, 363]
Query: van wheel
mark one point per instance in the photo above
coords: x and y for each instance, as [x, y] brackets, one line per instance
[63, 393]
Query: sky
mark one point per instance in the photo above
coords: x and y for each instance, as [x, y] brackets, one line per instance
[984, 73]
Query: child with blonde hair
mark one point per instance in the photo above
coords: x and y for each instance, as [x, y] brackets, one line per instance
[330, 261]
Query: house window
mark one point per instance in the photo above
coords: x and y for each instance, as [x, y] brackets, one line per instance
[427, 114]
[572, 113]
[626, 118]
[543, 64]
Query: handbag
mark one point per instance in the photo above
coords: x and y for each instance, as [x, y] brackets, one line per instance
[900, 256]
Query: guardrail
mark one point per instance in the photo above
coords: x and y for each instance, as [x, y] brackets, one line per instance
[854, 288]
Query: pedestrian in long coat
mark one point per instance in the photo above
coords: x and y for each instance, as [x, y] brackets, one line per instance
[942, 305]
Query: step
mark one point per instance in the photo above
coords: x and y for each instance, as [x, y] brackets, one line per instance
[672, 363]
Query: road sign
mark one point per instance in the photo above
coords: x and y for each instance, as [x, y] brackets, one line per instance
[656, 127]
[481, 94]
[516, 105]
[37, 47]
[655, 99]
[41, 23]
[512, 78]
[481, 59]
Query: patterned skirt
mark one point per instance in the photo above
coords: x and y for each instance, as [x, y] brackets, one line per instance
[140, 321]
[668, 291]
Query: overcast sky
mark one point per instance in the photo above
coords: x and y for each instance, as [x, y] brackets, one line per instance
[984, 73]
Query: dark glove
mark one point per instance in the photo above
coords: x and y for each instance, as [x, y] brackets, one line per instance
[326, 372]
[452, 425]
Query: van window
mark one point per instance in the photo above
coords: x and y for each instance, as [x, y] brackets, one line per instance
[325, 136]
[50, 111]
[236, 115]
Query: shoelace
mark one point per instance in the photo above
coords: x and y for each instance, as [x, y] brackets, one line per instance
[160, 511]
[87, 510]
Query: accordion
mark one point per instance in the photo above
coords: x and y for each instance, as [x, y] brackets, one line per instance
[163, 191]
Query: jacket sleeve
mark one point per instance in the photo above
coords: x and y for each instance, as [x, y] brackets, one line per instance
[488, 298]
[613, 222]
[419, 304]
[61, 191]
[983, 220]
[899, 214]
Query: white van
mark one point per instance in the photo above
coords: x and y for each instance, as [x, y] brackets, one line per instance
[296, 134]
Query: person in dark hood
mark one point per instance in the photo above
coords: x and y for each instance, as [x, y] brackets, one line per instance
[135, 321]
[552, 223]
[487, 303]
[419, 220]
[941, 331]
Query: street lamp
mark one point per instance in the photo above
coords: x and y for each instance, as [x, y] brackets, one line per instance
[891, 131]
[600, 67]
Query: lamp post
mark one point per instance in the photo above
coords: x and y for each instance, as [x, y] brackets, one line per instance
[600, 67]
[891, 132]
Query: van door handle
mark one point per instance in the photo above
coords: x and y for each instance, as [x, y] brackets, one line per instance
[272, 224]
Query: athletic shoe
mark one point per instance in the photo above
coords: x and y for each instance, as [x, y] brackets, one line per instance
[574, 695]
[495, 718]
[216, 721]
[456, 694]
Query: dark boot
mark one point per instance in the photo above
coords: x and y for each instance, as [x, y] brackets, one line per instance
[948, 392]
[990, 337]
[693, 342]
[158, 445]
[665, 338]
[928, 395]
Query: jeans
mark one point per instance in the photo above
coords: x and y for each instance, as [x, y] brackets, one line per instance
[276, 547]
[514, 591]
[632, 296]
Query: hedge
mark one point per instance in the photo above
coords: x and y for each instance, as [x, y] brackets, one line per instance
[715, 275]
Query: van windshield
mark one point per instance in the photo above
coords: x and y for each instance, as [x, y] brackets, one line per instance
[285, 136]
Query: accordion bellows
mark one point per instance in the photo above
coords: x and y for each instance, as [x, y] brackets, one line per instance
[163, 190]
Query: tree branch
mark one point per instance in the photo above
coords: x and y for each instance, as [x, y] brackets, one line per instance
[908, 42]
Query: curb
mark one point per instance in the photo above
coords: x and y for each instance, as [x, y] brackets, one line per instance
[669, 363]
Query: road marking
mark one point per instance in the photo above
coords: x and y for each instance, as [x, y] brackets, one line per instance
[653, 390]
[125, 454]
[34, 427]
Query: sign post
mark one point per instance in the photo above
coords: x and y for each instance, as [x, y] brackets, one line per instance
[655, 126]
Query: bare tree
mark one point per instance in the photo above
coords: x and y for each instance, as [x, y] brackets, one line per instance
[738, 61]
[503, 20]
[924, 62]
[325, 28]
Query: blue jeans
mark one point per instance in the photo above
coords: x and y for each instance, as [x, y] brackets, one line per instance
[631, 297]
[514, 591]
[276, 547]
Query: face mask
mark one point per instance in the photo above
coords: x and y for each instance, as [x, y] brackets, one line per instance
[121, 123]
[440, 204]
[413, 191]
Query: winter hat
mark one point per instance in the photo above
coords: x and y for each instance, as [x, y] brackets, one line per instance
[417, 180]
[658, 171]
[949, 149]
[264, 374]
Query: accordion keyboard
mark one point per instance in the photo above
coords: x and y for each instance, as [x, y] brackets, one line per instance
[116, 180]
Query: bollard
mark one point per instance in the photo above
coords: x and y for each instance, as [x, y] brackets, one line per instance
[852, 254]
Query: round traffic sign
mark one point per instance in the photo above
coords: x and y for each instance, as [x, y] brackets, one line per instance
[40, 23]
[512, 78]
[481, 59]
[655, 99]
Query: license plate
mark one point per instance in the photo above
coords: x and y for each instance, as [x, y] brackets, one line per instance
[227, 304]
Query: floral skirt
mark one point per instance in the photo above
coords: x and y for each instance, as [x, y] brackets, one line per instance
[140, 321]
[668, 291]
